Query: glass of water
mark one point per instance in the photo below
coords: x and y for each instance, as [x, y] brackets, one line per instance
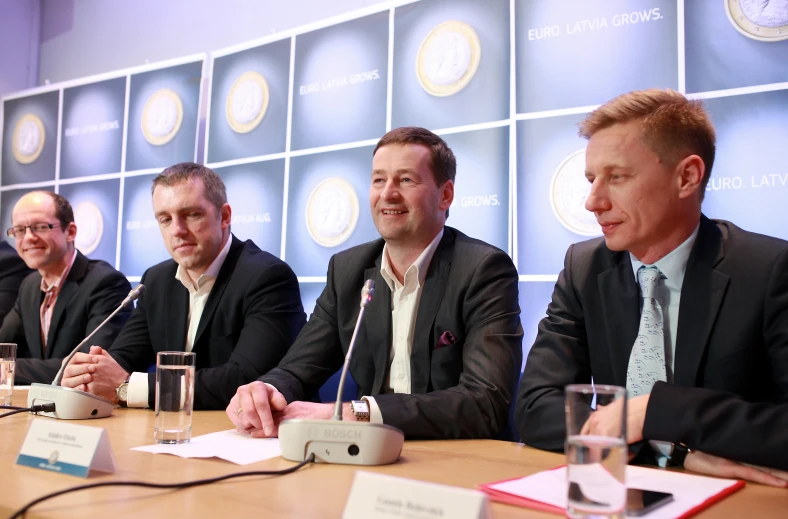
[596, 450]
[174, 396]
[7, 363]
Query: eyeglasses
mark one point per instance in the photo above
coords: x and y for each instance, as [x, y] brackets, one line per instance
[36, 228]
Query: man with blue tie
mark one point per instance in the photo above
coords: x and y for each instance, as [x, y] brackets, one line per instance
[668, 301]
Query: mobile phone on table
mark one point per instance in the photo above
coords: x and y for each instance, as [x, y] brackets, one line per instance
[640, 502]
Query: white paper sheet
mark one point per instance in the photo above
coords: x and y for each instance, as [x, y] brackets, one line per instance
[229, 445]
[688, 490]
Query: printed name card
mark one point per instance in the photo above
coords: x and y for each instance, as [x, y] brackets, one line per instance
[378, 496]
[66, 448]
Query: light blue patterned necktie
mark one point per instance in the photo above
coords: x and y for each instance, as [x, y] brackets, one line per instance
[647, 360]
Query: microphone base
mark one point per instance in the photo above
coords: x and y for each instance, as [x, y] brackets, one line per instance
[70, 404]
[334, 441]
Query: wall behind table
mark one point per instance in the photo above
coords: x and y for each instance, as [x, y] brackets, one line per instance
[542, 65]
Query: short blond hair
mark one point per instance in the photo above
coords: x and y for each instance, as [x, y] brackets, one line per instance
[673, 126]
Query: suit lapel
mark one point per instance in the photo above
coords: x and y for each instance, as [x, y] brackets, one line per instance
[32, 297]
[431, 296]
[377, 322]
[176, 311]
[701, 297]
[621, 312]
[222, 280]
[66, 293]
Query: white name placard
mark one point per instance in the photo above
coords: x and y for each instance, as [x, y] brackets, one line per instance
[377, 496]
[66, 448]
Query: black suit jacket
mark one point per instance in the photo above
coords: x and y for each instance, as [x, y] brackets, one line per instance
[12, 271]
[460, 390]
[749, 432]
[732, 330]
[91, 292]
[250, 319]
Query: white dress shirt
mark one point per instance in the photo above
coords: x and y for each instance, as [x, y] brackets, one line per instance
[405, 299]
[673, 267]
[198, 295]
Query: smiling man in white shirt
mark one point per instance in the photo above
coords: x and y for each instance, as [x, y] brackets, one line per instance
[440, 349]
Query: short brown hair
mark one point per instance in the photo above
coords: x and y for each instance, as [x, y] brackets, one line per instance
[673, 126]
[442, 162]
[63, 210]
[215, 191]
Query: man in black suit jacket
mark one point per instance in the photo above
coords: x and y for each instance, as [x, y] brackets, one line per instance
[12, 271]
[648, 160]
[441, 345]
[73, 293]
[237, 307]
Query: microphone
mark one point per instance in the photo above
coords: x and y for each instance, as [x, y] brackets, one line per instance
[72, 404]
[335, 441]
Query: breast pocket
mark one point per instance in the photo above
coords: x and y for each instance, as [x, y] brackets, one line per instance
[446, 366]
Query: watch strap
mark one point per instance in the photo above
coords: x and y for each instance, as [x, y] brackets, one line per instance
[678, 455]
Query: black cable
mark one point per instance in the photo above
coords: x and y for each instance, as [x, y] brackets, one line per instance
[47, 408]
[187, 484]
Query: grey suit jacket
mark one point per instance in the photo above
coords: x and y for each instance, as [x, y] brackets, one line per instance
[459, 390]
[732, 331]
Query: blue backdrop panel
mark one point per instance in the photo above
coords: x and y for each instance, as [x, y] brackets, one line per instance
[272, 61]
[185, 81]
[104, 194]
[255, 195]
[481, 193]
[340, 83]
[92, 137]
[749, 181]
[305, 256]
[719, 57]
[534, 298]
[45, 107]
[485, 98]
[584, 53]
[542, 145]
[141, 244]
[309, 294]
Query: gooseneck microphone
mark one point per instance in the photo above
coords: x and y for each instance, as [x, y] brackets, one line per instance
[366, 296]
[335, 441]
[72, 404]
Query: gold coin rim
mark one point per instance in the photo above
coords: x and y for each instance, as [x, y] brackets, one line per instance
[766, 34]
[239, 127]
[561, 218]
[343, 237]
[160, 141]
[28, 159]
[94, 209]
[476, 54]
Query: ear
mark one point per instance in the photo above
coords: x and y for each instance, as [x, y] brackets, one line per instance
[226, 215]
[71, 232]
[446, 194]
[689, 176]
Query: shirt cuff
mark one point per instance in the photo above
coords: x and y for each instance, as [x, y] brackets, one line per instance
[137, 394]
[375, 415]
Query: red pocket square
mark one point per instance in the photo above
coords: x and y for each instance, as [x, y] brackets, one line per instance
[446, 339]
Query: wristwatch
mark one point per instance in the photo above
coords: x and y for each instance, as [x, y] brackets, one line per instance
[122, 391]
[678, 454]
[360, 409]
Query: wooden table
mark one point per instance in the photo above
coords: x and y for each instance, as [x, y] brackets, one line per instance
[315, 491]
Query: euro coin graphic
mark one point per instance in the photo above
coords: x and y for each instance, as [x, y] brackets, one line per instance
[762, 20]
[90, 227]
[448, 58]
[569, 190]
[247, 102]
[162, 116]
[332, 212]
[29, 138]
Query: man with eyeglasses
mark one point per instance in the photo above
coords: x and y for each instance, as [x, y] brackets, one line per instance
[66, 298]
